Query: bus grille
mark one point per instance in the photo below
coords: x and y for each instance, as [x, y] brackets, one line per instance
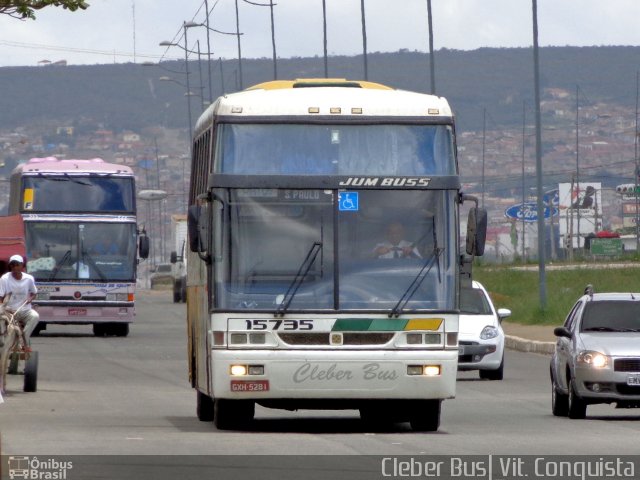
[355, 338]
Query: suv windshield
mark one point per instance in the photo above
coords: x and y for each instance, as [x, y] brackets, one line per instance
[611, 315]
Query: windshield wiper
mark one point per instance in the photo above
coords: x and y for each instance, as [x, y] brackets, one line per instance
[57, 268]
[601, 329]
[92, 263]
[302, 273]
[434, 259]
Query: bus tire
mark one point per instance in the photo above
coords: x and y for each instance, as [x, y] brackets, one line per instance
[204, 407]
[177, 292]
[100, 329]
[232, 414]
[39, 328]
[31, 373]
[119, 329]
[425, 415]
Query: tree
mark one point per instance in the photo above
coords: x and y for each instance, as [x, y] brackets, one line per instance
[25, 8]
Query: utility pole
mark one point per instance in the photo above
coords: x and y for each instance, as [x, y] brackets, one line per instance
[364, 41]
[524, 124]
[432, 68]
[637, 172]
[484, 136]
[540, 207]
[324, 32]
[578, 163]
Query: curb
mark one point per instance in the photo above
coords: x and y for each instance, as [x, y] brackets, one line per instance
[532, 346]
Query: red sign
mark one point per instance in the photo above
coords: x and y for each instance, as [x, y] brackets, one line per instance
[249, 385]
[74, 312]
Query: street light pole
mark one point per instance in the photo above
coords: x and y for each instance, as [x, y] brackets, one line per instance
[273, 33]
[190, 140]
[540, 207]
[432, 68]
[239, 46]
[206, 6]
[324, 43]
[364, 41]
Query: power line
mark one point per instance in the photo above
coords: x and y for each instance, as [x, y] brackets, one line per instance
[58, 48]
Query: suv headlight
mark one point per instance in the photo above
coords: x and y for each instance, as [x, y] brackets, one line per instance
[592, 358]
[489, 332]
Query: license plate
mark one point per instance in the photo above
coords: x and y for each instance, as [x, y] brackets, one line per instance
[249, 385]
[633, 380]
[77, 312]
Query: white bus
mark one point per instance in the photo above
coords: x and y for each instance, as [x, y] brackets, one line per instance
[81, 240]
[296, 299]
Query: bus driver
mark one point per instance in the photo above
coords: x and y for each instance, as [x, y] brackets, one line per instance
[395, 246]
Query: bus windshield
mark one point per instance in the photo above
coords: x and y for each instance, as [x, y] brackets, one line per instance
[395, 252]
[290, 149]
[61, 193]
[81, 251]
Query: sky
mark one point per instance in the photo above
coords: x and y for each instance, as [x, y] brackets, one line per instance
[123, 31]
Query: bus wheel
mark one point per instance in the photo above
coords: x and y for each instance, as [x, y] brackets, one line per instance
[39, 328]
[177, 294]
[376, 417]
[232, 414]
[204, 407]
[118, 329]
[100, 329]
[425, 415]
[31, 373]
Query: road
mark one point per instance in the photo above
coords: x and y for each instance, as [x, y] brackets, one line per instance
[130, 396]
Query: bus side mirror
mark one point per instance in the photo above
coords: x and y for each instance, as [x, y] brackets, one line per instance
[174, 257]
[143, 245]
[193, 216]
[476, 231]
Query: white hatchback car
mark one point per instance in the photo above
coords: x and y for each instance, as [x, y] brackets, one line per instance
[481, 338]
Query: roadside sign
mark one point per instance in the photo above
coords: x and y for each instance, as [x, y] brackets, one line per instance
[608, 247]
[529, 212]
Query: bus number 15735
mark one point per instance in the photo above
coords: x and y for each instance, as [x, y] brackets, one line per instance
[278, 324]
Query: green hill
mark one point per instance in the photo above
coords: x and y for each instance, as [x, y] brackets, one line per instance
[130, 96]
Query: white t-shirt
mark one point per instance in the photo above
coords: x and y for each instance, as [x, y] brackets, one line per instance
[19, 289]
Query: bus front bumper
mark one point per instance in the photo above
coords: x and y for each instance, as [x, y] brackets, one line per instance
[316, 374]
[85, 313]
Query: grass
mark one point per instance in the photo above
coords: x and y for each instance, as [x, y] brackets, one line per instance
[518, 290]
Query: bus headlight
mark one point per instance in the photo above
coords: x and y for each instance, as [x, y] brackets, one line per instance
[117, 297]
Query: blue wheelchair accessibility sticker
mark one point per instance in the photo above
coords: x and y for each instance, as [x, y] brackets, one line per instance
[348, 202]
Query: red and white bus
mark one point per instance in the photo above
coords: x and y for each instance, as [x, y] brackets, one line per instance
[82, 240]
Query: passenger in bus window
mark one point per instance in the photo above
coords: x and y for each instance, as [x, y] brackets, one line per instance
[395, 246]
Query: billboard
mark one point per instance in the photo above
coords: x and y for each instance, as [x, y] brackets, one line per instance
[580, 211]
